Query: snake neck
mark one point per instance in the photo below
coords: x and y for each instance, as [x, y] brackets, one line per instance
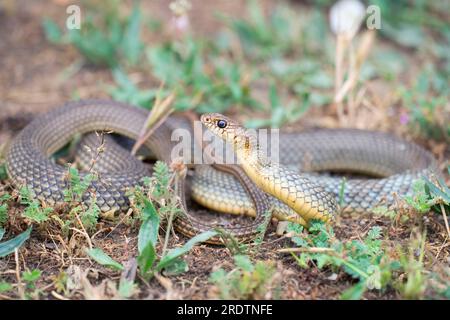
[252, 157]
[248, 150]
[306, 198]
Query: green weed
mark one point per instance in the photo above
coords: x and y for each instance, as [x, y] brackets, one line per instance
[156, 190]
[78, 189]
[428, 196]
[200, 77]
[30, 278]
[413, 266]
[5, 287]
[33, 210]
[262, 36]
[247, 280]
[425, 101]
[364, 260]
[77, 185]
[105, 39]
[4, 209]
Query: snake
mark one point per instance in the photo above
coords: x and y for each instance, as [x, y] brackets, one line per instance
[298, 188]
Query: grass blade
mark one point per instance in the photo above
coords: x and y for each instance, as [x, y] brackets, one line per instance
[146, 258]
[132, 45]
[148, 232]
[173, 254]
[102, 258]
[9, 246]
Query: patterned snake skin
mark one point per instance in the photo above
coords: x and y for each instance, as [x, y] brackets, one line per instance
[229, 188]
[395, 162]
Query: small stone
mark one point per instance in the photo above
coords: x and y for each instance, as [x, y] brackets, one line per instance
[333, 277]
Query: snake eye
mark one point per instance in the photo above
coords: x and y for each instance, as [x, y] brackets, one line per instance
[221, 124]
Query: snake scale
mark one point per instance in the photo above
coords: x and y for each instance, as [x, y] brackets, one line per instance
[302, 193]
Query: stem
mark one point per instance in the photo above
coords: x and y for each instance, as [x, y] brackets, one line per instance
[19, 281]
[169, 227]
[84, 232]
[173, 178]
[353, 267]
[445, 218]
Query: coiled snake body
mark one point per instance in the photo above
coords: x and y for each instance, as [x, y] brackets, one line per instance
[302, 196]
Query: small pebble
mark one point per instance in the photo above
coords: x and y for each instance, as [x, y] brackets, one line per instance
[333, 277]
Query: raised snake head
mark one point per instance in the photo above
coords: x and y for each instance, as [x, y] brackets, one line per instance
[229, 130]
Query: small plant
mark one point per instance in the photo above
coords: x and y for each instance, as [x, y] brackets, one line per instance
[77, 185]
[76, 191]
[247, 280]
[425, 101]
[127, 91]
[4, 208]
[105, 39]
[365, 260]
[428, 195]
[261, 36]
[202, 79]
[280, 114]
[157, 189]
[33, 211]
[30, 278]
[390, 213]
[5, 287]
[420, 200]
[413, 266]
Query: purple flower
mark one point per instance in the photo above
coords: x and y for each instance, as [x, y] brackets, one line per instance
[404, 118]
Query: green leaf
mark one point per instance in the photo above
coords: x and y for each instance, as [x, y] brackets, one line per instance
[437, 192]
[148, 232]
[52, 31]
[5, 286]
[126, 288]
[244, 263]
[132, 45]
[102, 258]
[3, 213]
[9, 246]
[31, 276]
[147, 258]
[355, 292]
[3, 173]
[257, 123]
[178, 266]
[177, 252]
[374, 233]
[273, 97]
[2, 233]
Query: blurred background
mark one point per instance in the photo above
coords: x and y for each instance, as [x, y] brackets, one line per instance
[270, 63]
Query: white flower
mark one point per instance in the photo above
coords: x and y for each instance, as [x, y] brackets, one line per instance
[346, 17]
[180, 7]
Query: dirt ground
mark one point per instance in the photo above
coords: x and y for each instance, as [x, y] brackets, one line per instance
[36, 76]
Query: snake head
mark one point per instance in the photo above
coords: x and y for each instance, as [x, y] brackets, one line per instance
[228, 129]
